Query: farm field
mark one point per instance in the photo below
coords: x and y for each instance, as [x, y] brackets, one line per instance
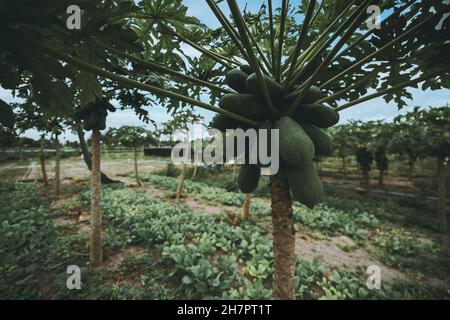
[200, 248]
[201, 151]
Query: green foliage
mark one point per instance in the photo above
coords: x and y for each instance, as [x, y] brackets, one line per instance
[331, 222]
[26, 234]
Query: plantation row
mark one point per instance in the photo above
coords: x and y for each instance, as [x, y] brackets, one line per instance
[185, 254]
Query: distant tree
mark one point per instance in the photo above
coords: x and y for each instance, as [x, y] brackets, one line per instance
[437, 131]
[132, 137]
[409, 138]
[342, 144]
[382, 136]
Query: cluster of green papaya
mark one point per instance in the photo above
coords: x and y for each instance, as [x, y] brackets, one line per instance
[301, 136]
[93, 116]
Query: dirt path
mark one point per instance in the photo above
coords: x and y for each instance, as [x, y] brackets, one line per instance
[342, 252]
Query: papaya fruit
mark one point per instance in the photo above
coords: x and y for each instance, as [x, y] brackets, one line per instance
[247, 105]
[6, 115]
[317, 114]
[295, 145]
[274, 88]
[222, 123]
[102, 123]
[305, 183]
[248, 179]
[93, 120]
[322, 141]
[312, 95]
[257, 147]
[246, 68]
[236, 80]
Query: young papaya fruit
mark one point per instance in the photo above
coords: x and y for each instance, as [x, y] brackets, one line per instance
[6, 115]
[222, 123]
[322, 141]
[274, 88]
[236, 80]
[295, 145]
[247, 105]
[248, 179]
[317, 114]
[257, 148]
[313, 94]
[102, 123]
[93, 120]
[246, 68]
[305, 183]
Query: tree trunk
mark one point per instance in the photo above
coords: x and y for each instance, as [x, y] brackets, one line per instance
[181, 183]
[344, 166]
[366, 177]
[441, 205]
[411, 170]
[136, 171]
[283, 238]
[194, 174]
[246, 212]
[42, 160]
[235, 169]
[87, 156]
[57, 167]
[96, 252]
[381, 178]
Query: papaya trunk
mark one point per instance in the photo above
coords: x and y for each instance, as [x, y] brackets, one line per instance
[96, 253]
[366, 177]
[136, 170]
[381, 178]
[283, 238]
[42, 161]
[57, 167]
[246, 213]
[442, 215]
[181, 183]
[194, 174]
[235, 169]
[411, 170]
[344, 166]
[87, 156]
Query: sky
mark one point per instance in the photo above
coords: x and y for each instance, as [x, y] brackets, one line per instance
[376, 109]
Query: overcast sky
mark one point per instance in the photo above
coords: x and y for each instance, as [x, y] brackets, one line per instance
[371, 110]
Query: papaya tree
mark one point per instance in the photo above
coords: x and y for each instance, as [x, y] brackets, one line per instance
[409, 139]
[133, 137]
[382, 137]
[93, 117]
[303, 65]
[180, 121]
[437, 131]
[342, 144]
[361, 136]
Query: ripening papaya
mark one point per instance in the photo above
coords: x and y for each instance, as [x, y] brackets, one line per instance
[305, 183]
[93, 120]
[247, 105]
[222, 123]
[236, 80]
[246, 68]
[295, 145]
[274, 88]
[322, 141]
[260, 147]
[317, 114]
[248, 179]
[312, 95]
[102, 123]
